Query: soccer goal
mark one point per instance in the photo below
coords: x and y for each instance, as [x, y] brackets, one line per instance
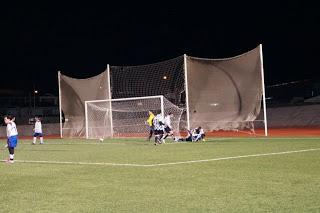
[126, 117]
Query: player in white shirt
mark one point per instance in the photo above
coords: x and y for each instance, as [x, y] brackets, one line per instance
[194, 135]
[12, 136]
[198, 134]
[158, 124]
[37, 131]
[168, 128]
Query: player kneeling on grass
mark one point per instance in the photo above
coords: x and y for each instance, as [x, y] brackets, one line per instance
[198, 134]
[37, 131]
[158, 125]
[12, 136]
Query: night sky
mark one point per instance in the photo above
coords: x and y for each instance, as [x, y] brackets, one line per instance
[37, 40]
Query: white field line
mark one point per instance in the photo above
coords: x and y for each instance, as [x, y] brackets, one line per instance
[106, 142]
[166, 164]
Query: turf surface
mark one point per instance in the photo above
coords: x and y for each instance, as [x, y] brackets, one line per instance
[132, 175]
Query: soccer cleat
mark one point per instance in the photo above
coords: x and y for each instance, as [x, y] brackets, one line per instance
[9, 161]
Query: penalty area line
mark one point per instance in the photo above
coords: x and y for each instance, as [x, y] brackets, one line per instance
[166, 164]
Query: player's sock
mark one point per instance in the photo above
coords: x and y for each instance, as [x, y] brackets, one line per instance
[34, 140]
[156, 139]
[41, 140]
[172, 136]
[11, 157]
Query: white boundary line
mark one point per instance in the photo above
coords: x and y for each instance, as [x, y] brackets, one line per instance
[167, 164]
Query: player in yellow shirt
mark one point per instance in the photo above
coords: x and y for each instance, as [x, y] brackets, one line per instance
[150, 124]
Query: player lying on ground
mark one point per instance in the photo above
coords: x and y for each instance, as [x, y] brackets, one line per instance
[194, 135]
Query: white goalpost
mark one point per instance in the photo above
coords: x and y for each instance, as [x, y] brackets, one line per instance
[125, 117]
[263, 94]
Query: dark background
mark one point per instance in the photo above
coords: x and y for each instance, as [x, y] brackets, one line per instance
[37, 40]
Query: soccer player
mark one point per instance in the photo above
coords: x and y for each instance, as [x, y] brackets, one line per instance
[188, 138]
[158, 124]
[37, 131]
[168, 128]
[150, 125]
[194, 135]
[198, 134]
[12, 136]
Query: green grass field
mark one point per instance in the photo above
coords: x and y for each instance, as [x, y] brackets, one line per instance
[132, 175]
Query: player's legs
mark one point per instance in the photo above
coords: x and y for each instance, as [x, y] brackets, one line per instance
[156, 137]
[150, 133]
[203, 137]
[35, 138]
[41, 138]
[11, 154]
[168, 132]
[12, 142]
[35, 135]
[188, 139]
[197, 137]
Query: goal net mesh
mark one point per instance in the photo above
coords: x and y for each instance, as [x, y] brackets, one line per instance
[73, 94]
[216, 94]
[164, 78]
[127, 117]
[225, 94]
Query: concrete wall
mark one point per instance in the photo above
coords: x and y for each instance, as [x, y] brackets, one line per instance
[293, 116]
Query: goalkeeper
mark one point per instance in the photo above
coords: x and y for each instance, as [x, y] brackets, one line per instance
[150, 125]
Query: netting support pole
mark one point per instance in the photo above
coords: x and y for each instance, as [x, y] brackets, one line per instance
[86, 118]
[263, 94]
[186, 89]
[60, 107]
[162, 106]
[110, 103]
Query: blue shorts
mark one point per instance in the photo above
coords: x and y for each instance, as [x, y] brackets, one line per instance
[36, 134]
[12, 141]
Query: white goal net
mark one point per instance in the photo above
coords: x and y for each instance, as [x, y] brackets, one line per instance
[126, 117]
[217, 94]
